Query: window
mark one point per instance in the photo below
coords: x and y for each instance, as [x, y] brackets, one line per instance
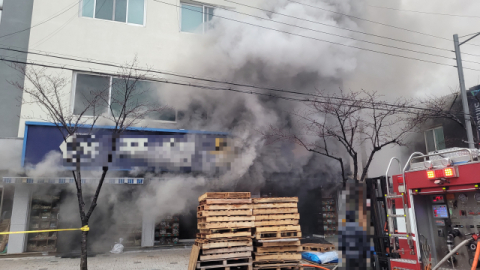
[129, 11]
[87, 87]
[434, 139]
[146, 95]
[195, 18]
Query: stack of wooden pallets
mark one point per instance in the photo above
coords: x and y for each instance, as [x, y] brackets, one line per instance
[225, 222]
[277, 233]
[317, 247]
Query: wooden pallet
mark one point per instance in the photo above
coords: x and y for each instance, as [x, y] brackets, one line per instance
[279, 249]
[275, 205]
[225, 195]
[224, 206]
[279, 228]
[193, 257]
[233, 267]
[225, 255]
[276, 222]
[294, 242]
[318, 247]
[225, 225]
[277, 217]
[278, 257]
[230, 262]
[282, 266]
[223, 243]
[229, 235]
[273, 211]
[225, 219]
[226, 201]
[239, 212]
[227, 250]
[278, 235]
[275, 200]
[225, 230]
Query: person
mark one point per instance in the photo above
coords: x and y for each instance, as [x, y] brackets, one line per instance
[353, 243]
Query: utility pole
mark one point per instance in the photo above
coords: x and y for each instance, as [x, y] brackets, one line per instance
[463, 91]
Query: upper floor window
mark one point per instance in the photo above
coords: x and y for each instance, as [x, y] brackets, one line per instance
[145, 96]
[195, 17]
[434, 139]
[129, 11]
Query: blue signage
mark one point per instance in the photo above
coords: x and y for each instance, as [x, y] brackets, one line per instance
[155, 149]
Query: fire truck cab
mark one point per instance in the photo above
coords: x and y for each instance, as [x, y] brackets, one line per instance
[429, 211]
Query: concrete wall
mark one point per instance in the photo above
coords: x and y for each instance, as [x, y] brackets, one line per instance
[19, 219]
[157, 44]
[148, 230]
[16, 16]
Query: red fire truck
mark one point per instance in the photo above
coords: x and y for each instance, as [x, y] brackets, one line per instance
[427, 214]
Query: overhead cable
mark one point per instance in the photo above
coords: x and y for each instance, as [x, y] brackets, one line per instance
[375, 22]
[323, 40]
[42, 22]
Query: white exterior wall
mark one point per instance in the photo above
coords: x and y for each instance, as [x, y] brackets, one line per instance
[157, 44]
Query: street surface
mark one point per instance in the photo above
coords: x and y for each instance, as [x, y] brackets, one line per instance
[164, 259]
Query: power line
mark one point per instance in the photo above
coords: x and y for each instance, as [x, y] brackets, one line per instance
[208, 87]
[375, 22]
[51, 18]
[169, 73]
[469, 35]
[343, 28]
[355, 31]
[424, 12]
[55, 31]
[44, 39]
[323, 40]
[322, 32]
[403, 108]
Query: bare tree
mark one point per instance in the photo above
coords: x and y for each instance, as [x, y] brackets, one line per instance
[343, 123]
[442, 108]
[125, 106]
[448, 110]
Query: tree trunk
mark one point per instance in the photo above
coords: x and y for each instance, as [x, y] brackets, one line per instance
[83, 256]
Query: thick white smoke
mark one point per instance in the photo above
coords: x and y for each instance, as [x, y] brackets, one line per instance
[242, 53]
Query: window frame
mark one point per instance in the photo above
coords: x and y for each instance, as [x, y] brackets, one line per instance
[111, 77]
[196, 4]
[434, 138]
[113, 15]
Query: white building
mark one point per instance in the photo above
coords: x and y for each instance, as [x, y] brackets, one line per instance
[112, 32]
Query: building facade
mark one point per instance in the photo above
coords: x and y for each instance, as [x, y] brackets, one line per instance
[442, 133]
[85, 43]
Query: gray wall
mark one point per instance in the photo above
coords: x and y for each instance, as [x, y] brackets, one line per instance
[16, 16]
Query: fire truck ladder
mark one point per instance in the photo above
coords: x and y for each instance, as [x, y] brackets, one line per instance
[389, 197]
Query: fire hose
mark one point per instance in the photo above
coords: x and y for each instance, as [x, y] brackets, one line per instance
[451, 253]
[477, 254]
[314, 266]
